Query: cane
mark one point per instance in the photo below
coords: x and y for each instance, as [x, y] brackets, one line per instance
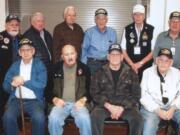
[22, 110]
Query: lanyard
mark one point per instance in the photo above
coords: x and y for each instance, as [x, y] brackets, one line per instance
[164, 99]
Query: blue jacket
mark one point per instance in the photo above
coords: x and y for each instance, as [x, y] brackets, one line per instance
[37, 83]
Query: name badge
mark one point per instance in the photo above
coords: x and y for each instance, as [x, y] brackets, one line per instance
[137, 50]
[173, 50]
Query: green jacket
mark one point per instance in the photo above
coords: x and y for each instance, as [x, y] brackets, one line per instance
[82, 82]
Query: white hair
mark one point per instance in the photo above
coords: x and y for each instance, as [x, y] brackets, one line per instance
[67, 9]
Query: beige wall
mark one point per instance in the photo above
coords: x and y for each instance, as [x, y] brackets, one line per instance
[2, 14]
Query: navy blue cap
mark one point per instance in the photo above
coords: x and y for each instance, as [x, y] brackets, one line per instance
[115, 47]
[12, 17]
[167, 52]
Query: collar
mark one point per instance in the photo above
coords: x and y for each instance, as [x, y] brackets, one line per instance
[99, 30]
[23, 64]
[167, 34]
[35, 30]
[137, 28]
[68, 25]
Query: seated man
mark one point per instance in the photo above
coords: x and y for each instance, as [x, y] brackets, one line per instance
[160, 93]
[70, 92]
[115, 91]
[27, 77]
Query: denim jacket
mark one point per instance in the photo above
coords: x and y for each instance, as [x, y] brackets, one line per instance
[37, 83]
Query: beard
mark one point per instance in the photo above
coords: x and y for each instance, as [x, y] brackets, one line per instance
[13, 33]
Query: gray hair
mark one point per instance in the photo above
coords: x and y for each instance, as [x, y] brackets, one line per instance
[67, 9]
[35, 15]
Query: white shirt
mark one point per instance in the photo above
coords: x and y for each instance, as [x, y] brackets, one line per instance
[151, 97]
[25, 72]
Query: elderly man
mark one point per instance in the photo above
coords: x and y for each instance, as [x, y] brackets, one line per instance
[70, 93]
[9, 40]
[170, 39]
[43, 44]
[115, 92]
[97, 41]
[160, 97]
[67, 32]
[28, 74]
[136, 42]
[41, 38]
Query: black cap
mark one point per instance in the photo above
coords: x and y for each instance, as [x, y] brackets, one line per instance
[174, 14]
[25, 41]
[167, 52]
[115, 47]
[101, 11]
[12, 17]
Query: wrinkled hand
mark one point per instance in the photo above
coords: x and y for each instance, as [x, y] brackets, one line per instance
[58, 102]
[116, 111]
[17, 81]
[162, 114]
[81, 102]
[170, 113]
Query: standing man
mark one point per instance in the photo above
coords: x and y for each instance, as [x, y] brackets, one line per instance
[43, 44]
[170, 39]
[28, 74]
[115, 91]
[160, 96]
[41, 38]
[9, 41]
[70, 93]
[97, 41]
[67, 32]
[136, 42]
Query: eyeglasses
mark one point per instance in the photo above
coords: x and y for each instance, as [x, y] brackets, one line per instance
[25, 50]
[166, 61]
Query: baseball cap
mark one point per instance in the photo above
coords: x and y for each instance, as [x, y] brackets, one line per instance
[115, 47]
[101, 11]
[26, 41]
[12, 17]
[166, 52]
[175, 15]
[138, 8]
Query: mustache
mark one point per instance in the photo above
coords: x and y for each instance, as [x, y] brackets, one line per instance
[70, 60]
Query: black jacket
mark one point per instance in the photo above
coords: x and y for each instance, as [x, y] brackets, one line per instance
[41, 50]
[126, 93]
[6, 52]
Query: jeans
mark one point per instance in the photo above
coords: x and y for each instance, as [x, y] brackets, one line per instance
[95, 65]
[135, 121]
[59, 114]
[151, 121]
[33, 108]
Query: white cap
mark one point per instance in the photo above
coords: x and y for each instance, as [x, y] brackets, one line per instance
[138, 8]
